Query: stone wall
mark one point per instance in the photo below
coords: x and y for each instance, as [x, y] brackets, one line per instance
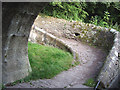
[111, 67]
[109, 40]
[95, 35]
[40, 36]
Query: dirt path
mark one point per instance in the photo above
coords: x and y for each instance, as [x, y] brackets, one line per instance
[91, 60]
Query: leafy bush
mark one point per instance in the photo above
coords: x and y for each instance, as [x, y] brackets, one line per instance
[66, 10]
[105, 14]
[104, 22]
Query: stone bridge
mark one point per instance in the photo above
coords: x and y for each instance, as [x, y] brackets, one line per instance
[17, 20]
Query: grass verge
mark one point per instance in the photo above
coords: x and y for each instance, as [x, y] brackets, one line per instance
[46, 61]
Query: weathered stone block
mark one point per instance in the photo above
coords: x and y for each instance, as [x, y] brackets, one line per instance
[17, 21]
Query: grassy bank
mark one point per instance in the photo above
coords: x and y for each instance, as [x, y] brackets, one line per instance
[46, 61]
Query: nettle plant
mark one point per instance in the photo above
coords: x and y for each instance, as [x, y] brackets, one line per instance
[106, 16]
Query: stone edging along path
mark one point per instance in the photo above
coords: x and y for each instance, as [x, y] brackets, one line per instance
[110, 69]
[40, 36]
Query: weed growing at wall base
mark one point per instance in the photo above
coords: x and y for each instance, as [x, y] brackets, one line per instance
[90, 82]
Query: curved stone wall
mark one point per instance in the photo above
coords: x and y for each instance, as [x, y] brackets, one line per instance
[109, 40]
[40, 36]
[95, 35]
[111, 67]
[106, 38]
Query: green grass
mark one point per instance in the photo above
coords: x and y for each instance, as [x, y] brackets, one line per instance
[46, 61]
[90, 82]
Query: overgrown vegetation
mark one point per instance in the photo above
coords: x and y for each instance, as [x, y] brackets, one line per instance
[46, 62]
[105, 14]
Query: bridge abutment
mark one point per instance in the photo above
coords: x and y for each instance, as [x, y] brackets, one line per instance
[17, 21]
